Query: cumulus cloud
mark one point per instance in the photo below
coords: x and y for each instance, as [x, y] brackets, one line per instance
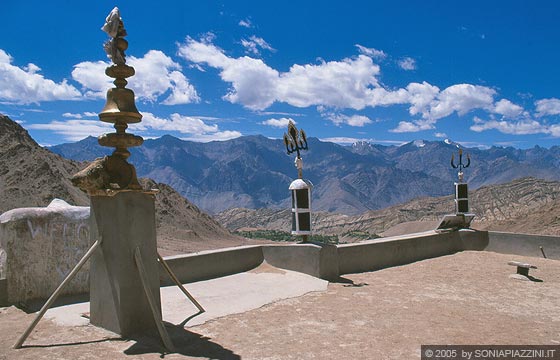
[352, 83]
[278, 123]
[520, 127]
[255, 44]
[195, 126]
[255, 85]
[246, 23]
[440, 135]
[421, 97]
[407, 63]
[71, 115]
[548, 107]
[24, 85]
[371, 52]
[75, 129]
[414, 126]
[352, 120]
[507, 108]
[462, 98]
[157, 75]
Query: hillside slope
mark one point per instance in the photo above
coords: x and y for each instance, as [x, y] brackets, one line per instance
[32, 176]
[526, 205]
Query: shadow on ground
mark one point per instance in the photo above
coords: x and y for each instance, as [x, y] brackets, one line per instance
[348, 282]
[186, 343]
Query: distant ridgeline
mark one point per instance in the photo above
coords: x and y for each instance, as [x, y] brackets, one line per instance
[254, 171]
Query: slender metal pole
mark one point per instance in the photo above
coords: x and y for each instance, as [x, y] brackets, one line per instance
[56, 293]
[542, 251]
[157, 316]
[178, 283]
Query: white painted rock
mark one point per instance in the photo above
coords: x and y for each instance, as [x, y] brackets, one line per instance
[40, 246]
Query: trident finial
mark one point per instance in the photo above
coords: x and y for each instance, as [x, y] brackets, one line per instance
[295, 141]
[460, 165]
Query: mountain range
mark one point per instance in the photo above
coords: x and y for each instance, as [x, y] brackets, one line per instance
[255, 171]
[32, 176]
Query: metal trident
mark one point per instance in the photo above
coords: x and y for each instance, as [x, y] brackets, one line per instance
[460, 165]
[295, 141]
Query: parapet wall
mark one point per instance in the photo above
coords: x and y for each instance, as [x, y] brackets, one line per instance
[399, 250]
[325, 261]
[524, 244]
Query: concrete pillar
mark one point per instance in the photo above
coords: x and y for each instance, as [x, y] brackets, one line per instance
[118, 302]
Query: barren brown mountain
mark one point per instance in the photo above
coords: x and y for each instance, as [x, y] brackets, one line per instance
[32, 176]
[525, 205]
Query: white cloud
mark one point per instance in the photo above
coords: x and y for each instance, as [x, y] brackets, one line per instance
[420, 97]
[407, 63]
[371, 52]
[195, 126]
[91, 75]
[25, 85]
[254, 44]
[349, 83]
[350, 140]
[548, 107]
[217, 136]
[521, 127]
[157, 75]
[461, 98]
[74, 130]
[415, 126]
[278, 123]
[354, 120]
[440, 135]
[507, 108]
[343, 140]
[176, 122]
[90, 114]
[246, 23]
[71, 115]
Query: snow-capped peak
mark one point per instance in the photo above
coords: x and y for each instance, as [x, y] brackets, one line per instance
[419, 143]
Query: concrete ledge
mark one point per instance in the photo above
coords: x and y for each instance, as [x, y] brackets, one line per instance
[400, 250]
[211, 264]
[524, 244]
[319, 260]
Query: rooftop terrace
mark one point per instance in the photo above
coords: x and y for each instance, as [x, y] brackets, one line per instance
[463, 298]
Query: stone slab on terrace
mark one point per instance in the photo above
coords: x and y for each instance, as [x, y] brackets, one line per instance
[464, 298]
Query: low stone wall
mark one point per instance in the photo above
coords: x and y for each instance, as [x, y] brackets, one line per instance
[524, 244]
[399, 250]
[41, 246]
[211, 264]
[325, 261]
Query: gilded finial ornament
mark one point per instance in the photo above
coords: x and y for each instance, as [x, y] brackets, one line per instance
[114, 172]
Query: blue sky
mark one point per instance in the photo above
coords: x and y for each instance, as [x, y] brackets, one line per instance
[480, 73]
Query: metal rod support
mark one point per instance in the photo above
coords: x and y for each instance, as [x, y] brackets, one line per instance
[152, 302]
[178, 283]
[542, 251]
[56, 293]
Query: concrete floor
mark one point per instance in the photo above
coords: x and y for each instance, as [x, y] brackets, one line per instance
[465, 298]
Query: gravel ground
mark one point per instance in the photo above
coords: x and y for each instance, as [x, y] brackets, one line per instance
[465, 298]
